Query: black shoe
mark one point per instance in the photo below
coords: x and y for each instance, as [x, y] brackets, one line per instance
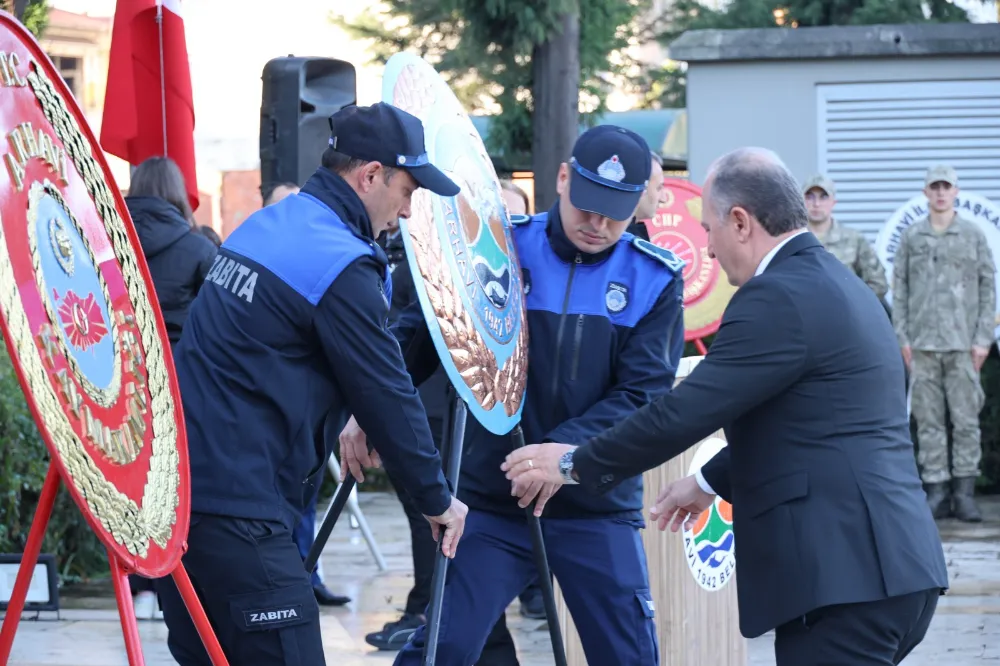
[394, 635]
[327, 598]
[939, 500]
[965, 507]
[533, 607]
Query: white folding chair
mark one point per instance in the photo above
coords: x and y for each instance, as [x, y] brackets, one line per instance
[357, 519]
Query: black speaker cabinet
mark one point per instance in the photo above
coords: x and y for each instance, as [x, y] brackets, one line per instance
[299, 96]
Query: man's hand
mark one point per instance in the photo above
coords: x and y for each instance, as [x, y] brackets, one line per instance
[453, 521]
[536, 462]
[527, 492]
[354, 454]
[907, 356]
[680, 503]
[979, 355]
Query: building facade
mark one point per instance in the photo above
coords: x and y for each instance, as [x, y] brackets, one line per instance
[872, 106]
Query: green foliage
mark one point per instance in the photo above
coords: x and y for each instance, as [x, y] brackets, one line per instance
[663, 87]
[24, 461]
[690, 15]
[36, 17]
[36, 14]
[483, 49]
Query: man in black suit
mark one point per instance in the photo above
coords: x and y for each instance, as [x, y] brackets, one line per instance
[836, 547]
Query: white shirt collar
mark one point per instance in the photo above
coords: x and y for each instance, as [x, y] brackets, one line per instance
[770, 255]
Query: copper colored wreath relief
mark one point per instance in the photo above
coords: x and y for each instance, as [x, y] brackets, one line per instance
[473, 359]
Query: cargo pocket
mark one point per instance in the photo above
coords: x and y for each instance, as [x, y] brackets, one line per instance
[282, 623]
[649, 647]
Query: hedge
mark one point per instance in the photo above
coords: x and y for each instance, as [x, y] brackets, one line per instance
[24, 461]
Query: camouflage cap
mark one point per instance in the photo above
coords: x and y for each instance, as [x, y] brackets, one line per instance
[821, 181]
[941, 173]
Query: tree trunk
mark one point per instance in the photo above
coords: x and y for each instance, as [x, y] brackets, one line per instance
[555, 93]
[19, 7]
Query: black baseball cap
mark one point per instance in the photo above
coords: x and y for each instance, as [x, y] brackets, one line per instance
[609, 171]
[387, 134]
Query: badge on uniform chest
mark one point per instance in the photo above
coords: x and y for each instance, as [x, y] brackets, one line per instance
[616, 297]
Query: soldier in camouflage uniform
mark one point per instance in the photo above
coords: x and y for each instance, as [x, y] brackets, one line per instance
[944, 304]
[847, 244]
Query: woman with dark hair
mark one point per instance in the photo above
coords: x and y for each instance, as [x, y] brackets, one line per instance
[178, 258]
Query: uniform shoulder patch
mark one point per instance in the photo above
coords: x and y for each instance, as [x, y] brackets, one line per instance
[663, 255]
[518, 220]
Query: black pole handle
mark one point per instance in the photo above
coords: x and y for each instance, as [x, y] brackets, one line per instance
[542, 563]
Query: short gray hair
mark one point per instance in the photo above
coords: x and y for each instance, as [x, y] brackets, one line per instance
[756, 179]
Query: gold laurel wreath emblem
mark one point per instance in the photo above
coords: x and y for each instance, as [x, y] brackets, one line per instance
[130, 524]
[475, 362]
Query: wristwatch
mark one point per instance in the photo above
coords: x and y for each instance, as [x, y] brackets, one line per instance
[566, 468]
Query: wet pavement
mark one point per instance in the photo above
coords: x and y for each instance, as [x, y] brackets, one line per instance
[965, 630]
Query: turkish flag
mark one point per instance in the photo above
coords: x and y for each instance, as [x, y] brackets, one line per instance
[133, 127]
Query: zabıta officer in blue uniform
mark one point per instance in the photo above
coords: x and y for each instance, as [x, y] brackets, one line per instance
[605, 315]
[288, 338]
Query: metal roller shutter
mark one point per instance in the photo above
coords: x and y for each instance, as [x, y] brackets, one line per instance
[876, 141]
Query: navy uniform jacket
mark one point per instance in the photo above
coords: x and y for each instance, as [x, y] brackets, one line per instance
[287, 338]
[605, 331]
[806, 377]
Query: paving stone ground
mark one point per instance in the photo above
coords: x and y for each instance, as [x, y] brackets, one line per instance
[965, 631]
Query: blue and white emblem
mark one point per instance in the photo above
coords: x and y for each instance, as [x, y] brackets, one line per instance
[612, 169]
[616, 297]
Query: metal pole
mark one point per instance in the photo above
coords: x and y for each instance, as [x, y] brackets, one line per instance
[329, 520]
[29, 558]
[355, 509]
[453, 465]
[544, 575]
[163, 80]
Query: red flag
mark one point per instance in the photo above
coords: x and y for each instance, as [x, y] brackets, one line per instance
[133, 127]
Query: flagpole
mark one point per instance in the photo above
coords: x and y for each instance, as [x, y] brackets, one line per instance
[163, 84]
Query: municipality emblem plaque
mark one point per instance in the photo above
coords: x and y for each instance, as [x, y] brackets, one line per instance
[709, 543]
[80, 319]
[462, 254]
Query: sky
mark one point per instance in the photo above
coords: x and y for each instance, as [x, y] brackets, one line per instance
[229, 43]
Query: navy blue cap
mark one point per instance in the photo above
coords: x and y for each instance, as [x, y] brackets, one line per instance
[387, 134]
[609, 171]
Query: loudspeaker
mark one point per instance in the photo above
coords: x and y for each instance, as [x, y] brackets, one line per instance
[299, 96]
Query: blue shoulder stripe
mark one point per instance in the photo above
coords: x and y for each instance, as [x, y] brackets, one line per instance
[301, 241]
[663, 255]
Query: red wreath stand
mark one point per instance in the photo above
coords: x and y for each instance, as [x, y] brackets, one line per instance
[79, 315]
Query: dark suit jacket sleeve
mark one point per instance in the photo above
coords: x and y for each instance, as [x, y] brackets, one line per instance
[716, 472]
[759, 351]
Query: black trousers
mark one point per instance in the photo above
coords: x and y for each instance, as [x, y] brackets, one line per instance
[866, 634]
[255, 591]
[499, 649]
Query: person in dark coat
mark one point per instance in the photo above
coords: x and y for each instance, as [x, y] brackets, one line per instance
[178, 256]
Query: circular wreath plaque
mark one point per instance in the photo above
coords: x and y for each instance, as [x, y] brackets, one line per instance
[79, 316]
